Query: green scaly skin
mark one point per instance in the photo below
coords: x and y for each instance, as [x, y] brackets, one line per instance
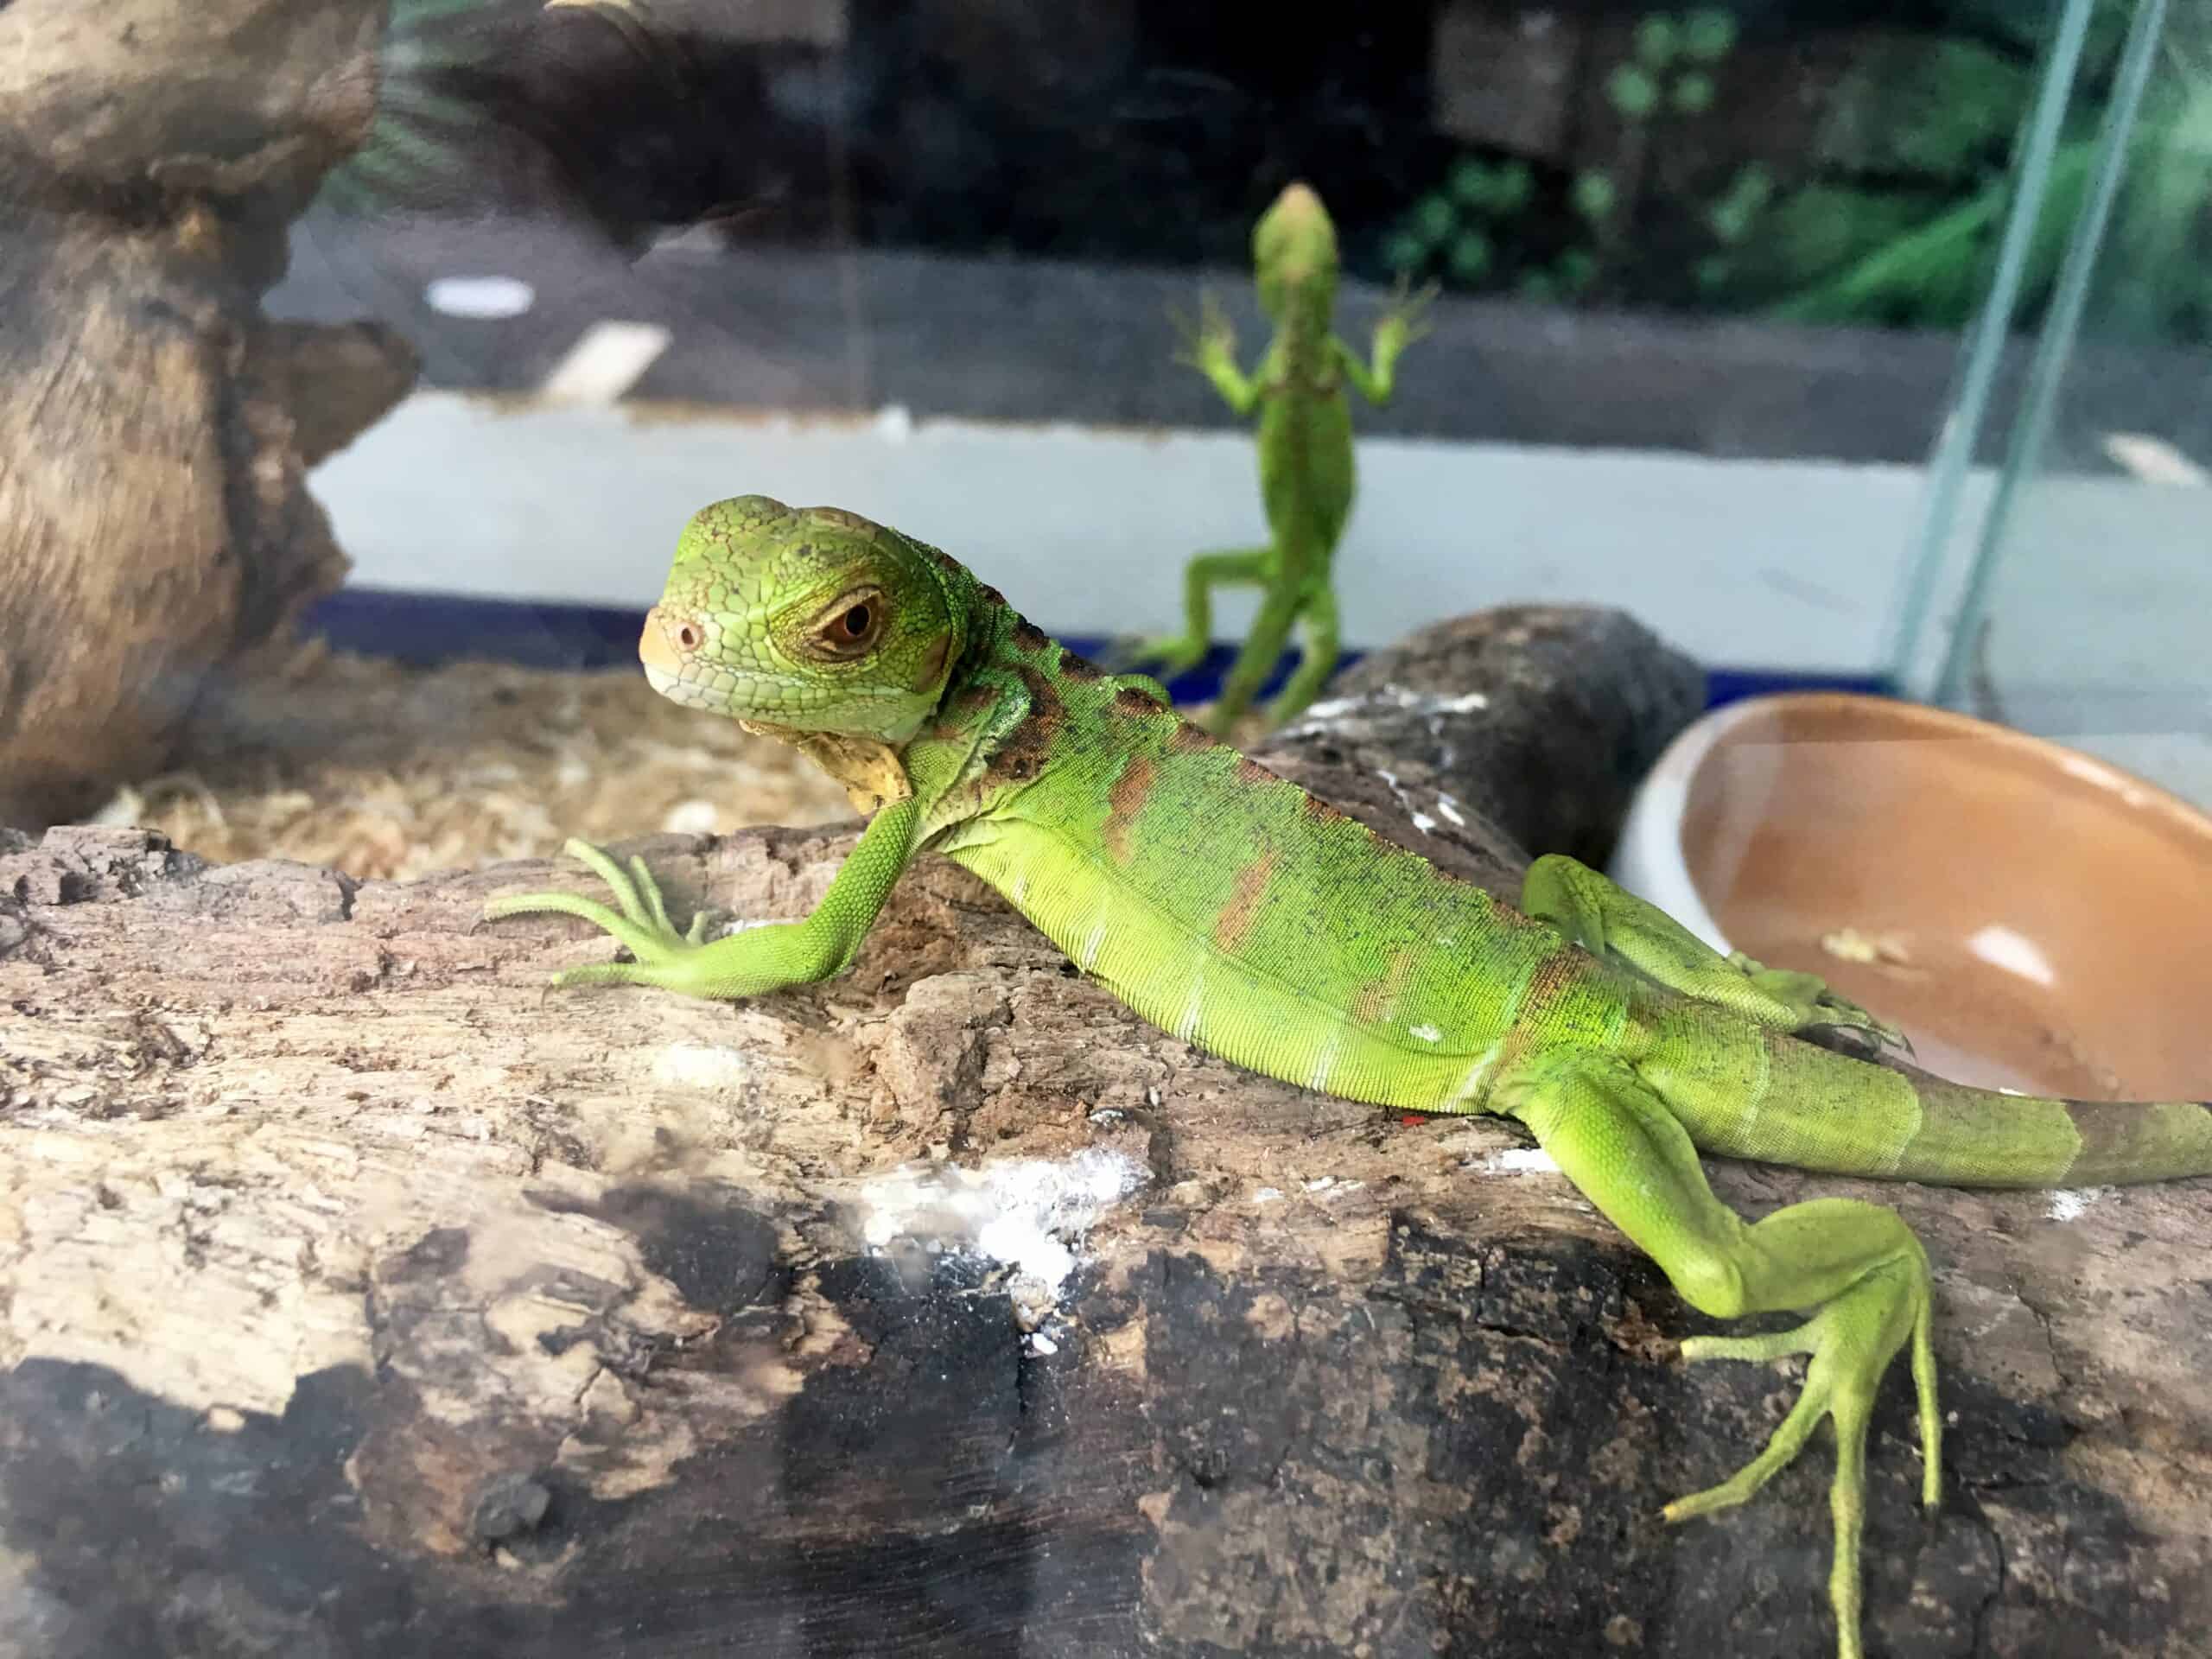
[1306, 459]
[1231, 908]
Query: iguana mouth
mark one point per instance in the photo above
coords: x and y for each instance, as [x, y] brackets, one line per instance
[725, 690]
[744, 693]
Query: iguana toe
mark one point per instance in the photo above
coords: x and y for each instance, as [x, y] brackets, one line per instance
[1815, 1005]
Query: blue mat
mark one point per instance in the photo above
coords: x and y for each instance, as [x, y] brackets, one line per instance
[430, 628]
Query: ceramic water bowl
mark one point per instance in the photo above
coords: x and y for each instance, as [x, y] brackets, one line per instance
[2033, 918]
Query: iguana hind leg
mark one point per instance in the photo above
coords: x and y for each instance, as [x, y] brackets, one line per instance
[1601, 918]
[1177, 652]
[1263, 644]
[1856, 1268]
[1316, 659]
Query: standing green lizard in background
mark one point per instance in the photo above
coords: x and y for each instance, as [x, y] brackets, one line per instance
[1229, 907]
[1305, 458]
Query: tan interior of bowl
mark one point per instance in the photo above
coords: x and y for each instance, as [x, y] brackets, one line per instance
[2034, 919]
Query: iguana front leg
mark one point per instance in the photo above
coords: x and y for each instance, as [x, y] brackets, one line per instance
[758, 960]
[1608, 921]
[1401, 325]
[1209, 346]
[1856, 1268]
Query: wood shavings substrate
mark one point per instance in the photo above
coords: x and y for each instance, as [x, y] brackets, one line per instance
[381, 770]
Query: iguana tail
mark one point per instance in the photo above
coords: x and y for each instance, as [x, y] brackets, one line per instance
[1984, 1137]
[1816, 1109]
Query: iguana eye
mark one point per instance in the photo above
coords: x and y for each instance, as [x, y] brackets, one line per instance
[851, 626]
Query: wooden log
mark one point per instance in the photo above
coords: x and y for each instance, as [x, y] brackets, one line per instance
[361, 1300]
[156, 528]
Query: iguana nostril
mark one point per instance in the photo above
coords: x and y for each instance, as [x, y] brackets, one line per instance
[666, 640]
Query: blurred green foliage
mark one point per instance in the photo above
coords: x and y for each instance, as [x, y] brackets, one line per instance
[1478, 229]
[1889, 217]
[1886, 210]
[1883, 259]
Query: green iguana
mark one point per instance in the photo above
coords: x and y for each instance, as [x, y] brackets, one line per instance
[1306, 459]
[1234, 909]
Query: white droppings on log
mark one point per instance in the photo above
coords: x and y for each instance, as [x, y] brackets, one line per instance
[1518, 1160]
[1030, 1213]
[2067, 1205]
[702, 1065]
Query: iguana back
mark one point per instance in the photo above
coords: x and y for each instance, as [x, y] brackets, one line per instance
[1233, 909]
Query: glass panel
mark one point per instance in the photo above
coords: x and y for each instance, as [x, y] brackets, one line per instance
[2091, 605]
[1701, 273]
[2067, 588]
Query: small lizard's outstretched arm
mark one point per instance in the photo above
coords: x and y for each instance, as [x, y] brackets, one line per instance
[1210, 348]
[1857, 1267]
[759, 959]
[1401, 326]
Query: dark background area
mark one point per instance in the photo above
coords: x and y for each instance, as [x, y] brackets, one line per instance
[1153, 132]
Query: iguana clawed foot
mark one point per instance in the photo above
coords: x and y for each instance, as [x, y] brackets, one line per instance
[1816, 1005]
[1404, 321]
[1209, 343]
[1852, 1339]
[761, 957]
[642, 928]
[1603, 917]
[1166, 656]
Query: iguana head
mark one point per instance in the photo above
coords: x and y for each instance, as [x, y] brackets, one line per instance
[1294, 252]
[808, 619]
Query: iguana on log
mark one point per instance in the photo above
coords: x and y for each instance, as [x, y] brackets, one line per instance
[1227, 905]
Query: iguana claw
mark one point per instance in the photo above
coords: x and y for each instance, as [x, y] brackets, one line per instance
[1207, 341]
[1821, 1007]
[1169, 654]
[642, 928]
[1852, 1339]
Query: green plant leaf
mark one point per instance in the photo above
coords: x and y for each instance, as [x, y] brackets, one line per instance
[1576, 270]
[1404, 254]
[1655, 42]
[1516, 188]
[1709, 34]
[1935, 273]
[1730, 217]
[1633, 93]
[1694, 93]
[1469, 258]
[1474, 186]
[1818, 229]
[1593, 196]
[1434, 221]
[1946, 108]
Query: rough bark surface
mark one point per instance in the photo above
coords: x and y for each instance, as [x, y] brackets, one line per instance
[1492, 735]
[155, 523]
[358, 1302]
